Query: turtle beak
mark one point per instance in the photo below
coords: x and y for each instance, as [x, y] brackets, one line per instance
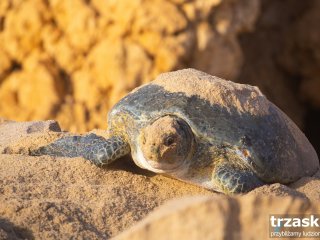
[154, 166]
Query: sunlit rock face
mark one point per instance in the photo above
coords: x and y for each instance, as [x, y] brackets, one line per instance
[72, 60]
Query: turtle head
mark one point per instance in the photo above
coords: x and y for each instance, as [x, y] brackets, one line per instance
[165, 145]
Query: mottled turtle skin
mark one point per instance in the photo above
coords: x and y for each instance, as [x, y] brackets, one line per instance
[221, 135]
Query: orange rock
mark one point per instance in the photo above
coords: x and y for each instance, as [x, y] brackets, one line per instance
[32, 93]
[77, 20]
[23, 23]
[88, 54]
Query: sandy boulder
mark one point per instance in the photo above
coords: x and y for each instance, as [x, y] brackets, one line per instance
[216, 217]
[49, 198]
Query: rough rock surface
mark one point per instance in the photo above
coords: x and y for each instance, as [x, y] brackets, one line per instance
[72, 60]
[53, 198]
[216, 217]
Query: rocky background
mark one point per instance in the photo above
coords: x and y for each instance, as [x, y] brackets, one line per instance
[72, 60]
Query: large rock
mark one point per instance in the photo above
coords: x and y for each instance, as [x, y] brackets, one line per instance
[217, 217]
[72, 60]
[46, 197]
[58, 198]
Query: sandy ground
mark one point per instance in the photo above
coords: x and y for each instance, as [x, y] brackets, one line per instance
[218, 217]
[57, 198]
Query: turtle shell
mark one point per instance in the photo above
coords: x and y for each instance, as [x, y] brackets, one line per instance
[222, 114]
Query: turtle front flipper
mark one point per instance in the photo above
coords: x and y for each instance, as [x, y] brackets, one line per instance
[92, 147]
[232, 179]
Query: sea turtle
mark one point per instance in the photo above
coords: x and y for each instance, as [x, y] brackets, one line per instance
[200, 129]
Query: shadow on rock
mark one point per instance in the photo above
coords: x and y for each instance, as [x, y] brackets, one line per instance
[9, 230]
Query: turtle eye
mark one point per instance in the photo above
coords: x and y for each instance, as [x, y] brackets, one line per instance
[168, 141]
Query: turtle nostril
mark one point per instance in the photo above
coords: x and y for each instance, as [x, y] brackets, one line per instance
[168, 141]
